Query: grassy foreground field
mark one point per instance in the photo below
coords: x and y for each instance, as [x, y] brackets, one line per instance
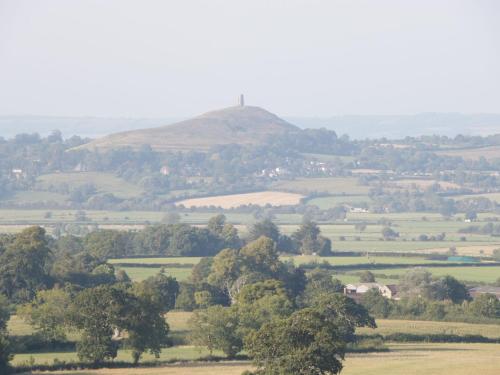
[185, 353]
[402, 359]
[413, 359]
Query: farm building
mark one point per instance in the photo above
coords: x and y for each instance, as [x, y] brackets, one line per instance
[355, 291]
[495, 290]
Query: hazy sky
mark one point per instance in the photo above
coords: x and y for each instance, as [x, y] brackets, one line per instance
[146, 58]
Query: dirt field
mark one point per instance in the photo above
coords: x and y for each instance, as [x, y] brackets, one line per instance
[274, 198]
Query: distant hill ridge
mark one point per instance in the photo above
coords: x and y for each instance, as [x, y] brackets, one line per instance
[233, 125]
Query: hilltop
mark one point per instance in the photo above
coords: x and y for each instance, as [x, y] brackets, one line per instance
[233, 125]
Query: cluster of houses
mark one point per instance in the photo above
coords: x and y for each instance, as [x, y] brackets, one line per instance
[356, 291]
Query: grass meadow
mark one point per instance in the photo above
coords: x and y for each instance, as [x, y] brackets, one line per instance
[401, 359]
[416, 359]
[331, 185]
[387, 327]
[104, 182]
[142, 273]
[467, 274]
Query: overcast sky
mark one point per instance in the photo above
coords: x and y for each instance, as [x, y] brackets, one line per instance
[146, 58]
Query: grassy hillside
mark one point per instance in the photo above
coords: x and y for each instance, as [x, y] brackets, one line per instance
[234, 125]
[104, 182]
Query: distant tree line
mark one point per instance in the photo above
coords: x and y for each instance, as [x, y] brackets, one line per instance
[230, 168]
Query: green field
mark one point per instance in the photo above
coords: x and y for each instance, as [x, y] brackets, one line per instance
[142, 273]
[37, 197]
[341, 260]
[491, 196]
[298, 259]
[104, 183]
[332, 201]
[434, 359]
[413, 246]
[331, 185]
[177, 321]
[176, 352]
[19, 327]
[387, 327]
[468, 274]
[35, 217]
[402, 359]
[166, 261]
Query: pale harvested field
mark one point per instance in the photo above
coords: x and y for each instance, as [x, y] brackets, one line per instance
[403, 359]
[274, 198]
[474, 250]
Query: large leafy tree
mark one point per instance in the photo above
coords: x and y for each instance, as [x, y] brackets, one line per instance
[259, 260]
[47, 313]
[319, 282]
[311, 341]
[449, 288]
[310, 241]
[102, 313]
[5, 347]
[159, 290]
[142, 316]
[24, 265]
[261, 302]
[264, 228]
[95, 313]
[217, 328]
[227, 232]
[226, 271]
[104, 244]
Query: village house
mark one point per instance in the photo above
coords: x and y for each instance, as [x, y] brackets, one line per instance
[356, 291]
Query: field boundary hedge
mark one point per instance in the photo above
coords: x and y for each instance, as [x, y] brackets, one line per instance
[432, 338]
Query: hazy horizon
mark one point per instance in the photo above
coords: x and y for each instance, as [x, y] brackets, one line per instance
[155, 59]
[356, 126]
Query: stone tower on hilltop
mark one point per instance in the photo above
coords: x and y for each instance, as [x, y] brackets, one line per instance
[241, 100]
